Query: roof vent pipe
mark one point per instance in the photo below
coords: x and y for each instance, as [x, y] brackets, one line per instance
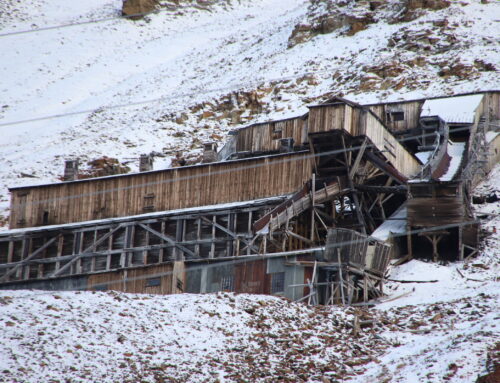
[70, 170]
[146, 163]
[209, 152]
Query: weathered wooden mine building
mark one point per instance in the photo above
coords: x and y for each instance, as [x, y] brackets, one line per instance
[311, 208]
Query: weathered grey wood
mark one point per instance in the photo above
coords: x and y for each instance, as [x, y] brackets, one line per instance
[99, 241]
[27, 259]
[168, 239]
[227, 231]
[357, 161]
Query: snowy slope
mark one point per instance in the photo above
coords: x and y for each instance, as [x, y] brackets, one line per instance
[190, 58]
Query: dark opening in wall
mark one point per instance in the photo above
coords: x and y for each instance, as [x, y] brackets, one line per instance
[395, 116]
[153, 282]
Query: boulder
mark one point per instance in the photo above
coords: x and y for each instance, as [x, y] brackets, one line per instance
[137, 9]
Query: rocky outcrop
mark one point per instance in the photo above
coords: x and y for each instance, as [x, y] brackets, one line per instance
[103, 166]
[137, 9]
[349, 17]
[337, 20]
[412, 9]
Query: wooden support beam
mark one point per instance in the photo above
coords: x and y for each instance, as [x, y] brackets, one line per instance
[228, 232]
[301, 238]
[88, 249]
[357, 161]
[313, 192]
[168, 239]
[25, 261]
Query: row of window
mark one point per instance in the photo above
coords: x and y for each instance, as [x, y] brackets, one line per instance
[226, 284]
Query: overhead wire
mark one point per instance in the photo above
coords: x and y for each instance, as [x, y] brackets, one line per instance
[96, 21]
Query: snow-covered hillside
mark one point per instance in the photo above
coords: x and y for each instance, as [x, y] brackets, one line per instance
[193, 71]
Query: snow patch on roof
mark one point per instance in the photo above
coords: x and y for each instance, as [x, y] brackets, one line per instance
[456, 151]
[395, 224]
[460, 109]
[490, 136]
[424, 156]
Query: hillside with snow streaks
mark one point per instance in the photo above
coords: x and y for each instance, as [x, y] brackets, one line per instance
[211, 67]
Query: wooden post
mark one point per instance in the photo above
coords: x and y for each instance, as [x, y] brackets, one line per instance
[110, 247]
[341, 284]
[460, 244]
[212, 248]
[365, 288]
[313, 191]
[198, 237]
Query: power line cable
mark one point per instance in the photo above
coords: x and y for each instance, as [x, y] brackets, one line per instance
[96, 21]
[233, 88]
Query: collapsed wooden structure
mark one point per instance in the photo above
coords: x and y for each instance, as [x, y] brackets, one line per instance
[311, 208]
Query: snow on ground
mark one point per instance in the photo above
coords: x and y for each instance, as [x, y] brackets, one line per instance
[458, 348]
[194, 56]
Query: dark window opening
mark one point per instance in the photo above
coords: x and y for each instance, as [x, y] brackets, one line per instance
[395, 116]
[101, 287]
[149, 202]
[277, 283]
[45, 219]
[153, 282]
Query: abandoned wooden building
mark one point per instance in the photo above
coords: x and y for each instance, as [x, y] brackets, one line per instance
[311, 208]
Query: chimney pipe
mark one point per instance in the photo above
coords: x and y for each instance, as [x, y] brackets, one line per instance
[209, 152]
[146, 163]
[70, 170]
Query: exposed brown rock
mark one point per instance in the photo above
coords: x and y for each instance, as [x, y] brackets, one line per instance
[484, 66]
[103, 166]
[390, 69]
[358, 23]
[416, 8]
[136, 9]
[458, 69]
[300, 34]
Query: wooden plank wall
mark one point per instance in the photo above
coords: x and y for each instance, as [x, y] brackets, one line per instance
[493, 153]
[429, 212]
[266, 136]
[177, 188]
[139, 280]
[323, 118]
[396, 153]
[411, 111]
[356, 122]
